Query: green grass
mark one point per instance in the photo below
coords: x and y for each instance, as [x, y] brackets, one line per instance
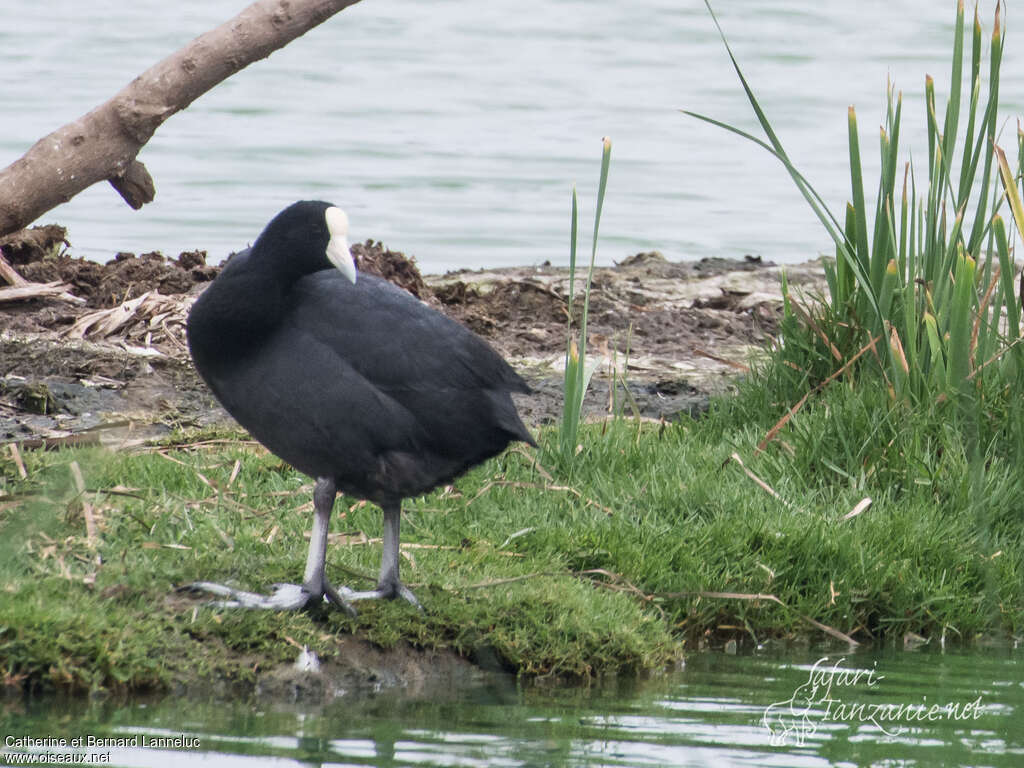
[613, 561]
[902, 383]
[616, 545]
[578, 371]
[926, 275]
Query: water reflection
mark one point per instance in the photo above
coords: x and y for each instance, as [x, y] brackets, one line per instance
[712, 712]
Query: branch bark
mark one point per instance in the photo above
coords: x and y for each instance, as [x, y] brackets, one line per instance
[103, 144]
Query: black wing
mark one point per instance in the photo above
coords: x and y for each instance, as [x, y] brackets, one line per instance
[366, 384]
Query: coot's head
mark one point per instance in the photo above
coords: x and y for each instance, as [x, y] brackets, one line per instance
[306, 237]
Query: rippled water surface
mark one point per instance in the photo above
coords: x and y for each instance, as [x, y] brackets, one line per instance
[454, 130]
[794, 710]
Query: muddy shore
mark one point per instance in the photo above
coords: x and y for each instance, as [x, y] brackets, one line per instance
[101, 355]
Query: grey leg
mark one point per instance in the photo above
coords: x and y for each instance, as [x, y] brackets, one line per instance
[389, 586]
[314, 587]
[323, 503]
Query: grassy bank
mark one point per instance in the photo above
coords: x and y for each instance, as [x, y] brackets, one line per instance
[650, 539]
[863, 485]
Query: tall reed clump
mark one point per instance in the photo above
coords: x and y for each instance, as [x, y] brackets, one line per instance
[923, 289]
[578, 371]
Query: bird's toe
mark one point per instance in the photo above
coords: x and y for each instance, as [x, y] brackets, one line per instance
[285, 597]
[406, 594]
[340, 597]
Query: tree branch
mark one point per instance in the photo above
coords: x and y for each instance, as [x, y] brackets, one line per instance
[102, 144]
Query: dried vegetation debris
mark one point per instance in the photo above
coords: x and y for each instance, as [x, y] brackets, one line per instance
[645, 305]
[685, 328]
[27, 246]
[373, 258]
[124, 277]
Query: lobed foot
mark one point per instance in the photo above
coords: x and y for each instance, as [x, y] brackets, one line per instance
[285, 597]
[382, 592]
[315, 587]
[293, 597]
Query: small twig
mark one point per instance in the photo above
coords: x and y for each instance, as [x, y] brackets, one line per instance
[561, 488]
[91, 534]
[25, 291]
[219, 497]
[304, 508]
[621, 584]
[538, 286]
[520, 484]
[16, 455]
[87, 512]
[862, 505]
[981, 311]
[720, 596]
[76, 477]
[49, 443]
[359, 539]
[736, 457]
[121, 490]
[723, 360]
[234, 472]
[10, 274]
[161, 449]
[994, 357]
[498, 582]
[770, 598]
[172, 338]
[162, 453]
[814, 326]
[273, 533]
[829, 630]
[228, 541]
[800, 404]
[516, 535]
[307, 488]
[521, 449]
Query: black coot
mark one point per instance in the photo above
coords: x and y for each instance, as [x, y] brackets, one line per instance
[353, 382]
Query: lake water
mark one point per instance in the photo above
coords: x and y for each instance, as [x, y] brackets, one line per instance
[880, 709]
[454, 130]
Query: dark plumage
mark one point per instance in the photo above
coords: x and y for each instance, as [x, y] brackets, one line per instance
[357, 384]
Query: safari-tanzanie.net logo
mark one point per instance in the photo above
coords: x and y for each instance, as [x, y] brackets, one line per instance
[834, 693]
